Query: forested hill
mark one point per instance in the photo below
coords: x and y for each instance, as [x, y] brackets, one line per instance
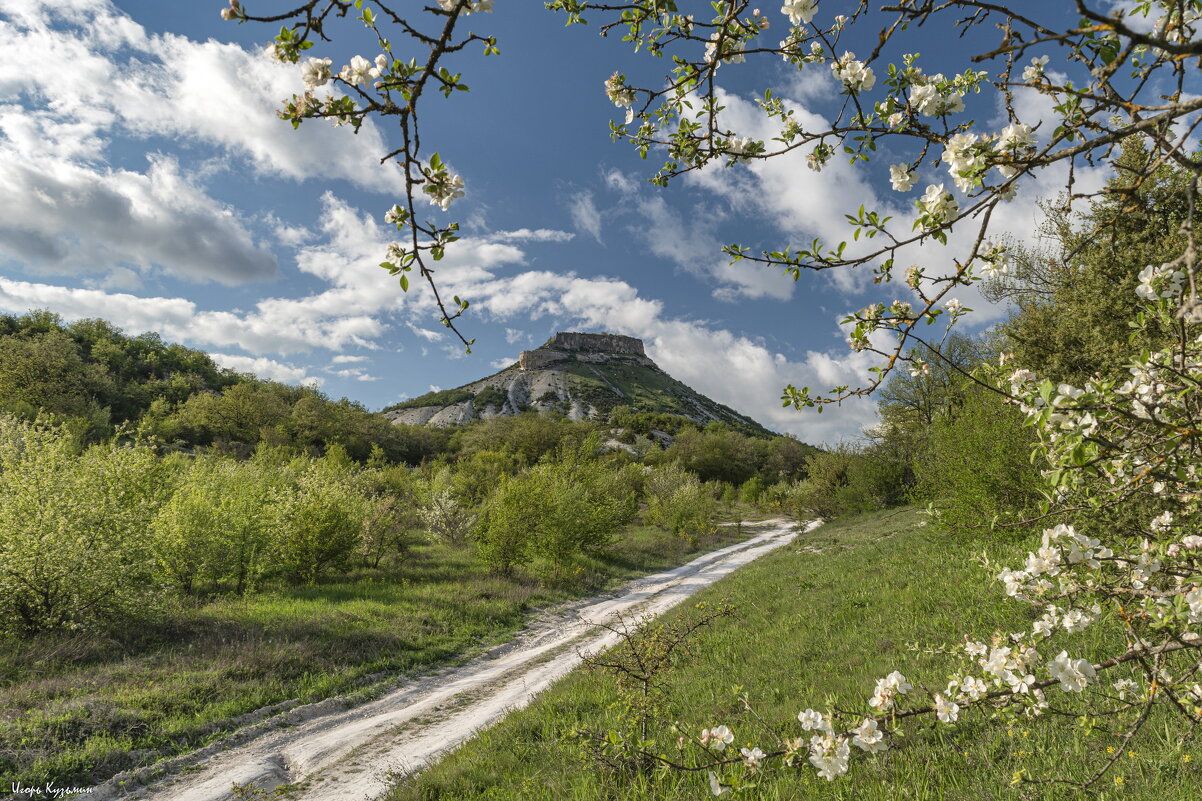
[98, 379]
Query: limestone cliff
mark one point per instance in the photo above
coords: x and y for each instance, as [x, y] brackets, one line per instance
[581, 375]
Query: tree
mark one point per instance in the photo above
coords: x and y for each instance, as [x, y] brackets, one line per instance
[1108, 79]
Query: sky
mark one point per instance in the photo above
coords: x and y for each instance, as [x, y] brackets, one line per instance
[145, 179]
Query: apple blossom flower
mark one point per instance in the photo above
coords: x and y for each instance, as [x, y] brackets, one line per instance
[940, 206]
[358, 72]
[717, 738]
[380, 66]
[715, 786]
[315, 73]
[811, 719]
[442, 188]
[973, 688]
[830, 756]
[752, 757]
[946, 711]
[868, 737]
[1074, 675]
[1034, 72]
[616, 90]
[800, 11]
[855, 76]
[902, 177]
[1016, 136]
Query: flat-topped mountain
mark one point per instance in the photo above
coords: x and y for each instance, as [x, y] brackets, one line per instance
[581, 375]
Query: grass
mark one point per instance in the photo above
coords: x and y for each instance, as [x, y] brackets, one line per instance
[77, 710]
[817, 623]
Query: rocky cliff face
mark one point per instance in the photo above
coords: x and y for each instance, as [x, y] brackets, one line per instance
[583, 376]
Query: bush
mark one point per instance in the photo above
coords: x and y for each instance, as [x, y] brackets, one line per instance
[215, 526]
[555, 513]
[73, 531]
[977, 469]
[446, 518]
[316, 522]
[678, 502]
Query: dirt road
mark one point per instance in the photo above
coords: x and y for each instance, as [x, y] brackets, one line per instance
[330, 752]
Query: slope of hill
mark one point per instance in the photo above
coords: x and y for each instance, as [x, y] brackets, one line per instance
[584, 376]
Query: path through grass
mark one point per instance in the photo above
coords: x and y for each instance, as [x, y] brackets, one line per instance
[821, 620]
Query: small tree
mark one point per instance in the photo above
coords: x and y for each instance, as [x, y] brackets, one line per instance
[446, 518]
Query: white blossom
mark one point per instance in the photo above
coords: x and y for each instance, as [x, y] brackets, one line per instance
[752, 757]
[621, 95]
[316, 72]
[902, 177]
[855, 75]
[358, 72]
[946, 711]
[868, 737]
[717, 738]
[939, 205]
[1034, 72]
[800, 11]
[1016, 136]
[830, 756]
[1074, 675]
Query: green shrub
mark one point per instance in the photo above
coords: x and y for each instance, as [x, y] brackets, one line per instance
[555, 513]
[977, 468]
[678, 502]
[215, 528]
[74, 529]
[317, 521]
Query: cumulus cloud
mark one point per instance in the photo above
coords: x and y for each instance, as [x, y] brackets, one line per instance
[59, 217]
[111, 74]
[267, 368]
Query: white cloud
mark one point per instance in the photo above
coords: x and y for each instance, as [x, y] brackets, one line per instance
[535, 235]
[60, 217]
[501, 364]
[343, 359]
[585, 215]
[110, 74]
[266, 368]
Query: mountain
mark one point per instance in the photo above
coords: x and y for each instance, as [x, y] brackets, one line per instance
[584, 376]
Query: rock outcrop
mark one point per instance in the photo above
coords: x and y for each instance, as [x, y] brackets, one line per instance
[583, 376]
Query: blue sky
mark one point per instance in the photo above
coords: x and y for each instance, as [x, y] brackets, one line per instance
[145, 179]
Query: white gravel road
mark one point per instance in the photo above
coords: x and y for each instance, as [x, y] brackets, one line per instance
[329, 752]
